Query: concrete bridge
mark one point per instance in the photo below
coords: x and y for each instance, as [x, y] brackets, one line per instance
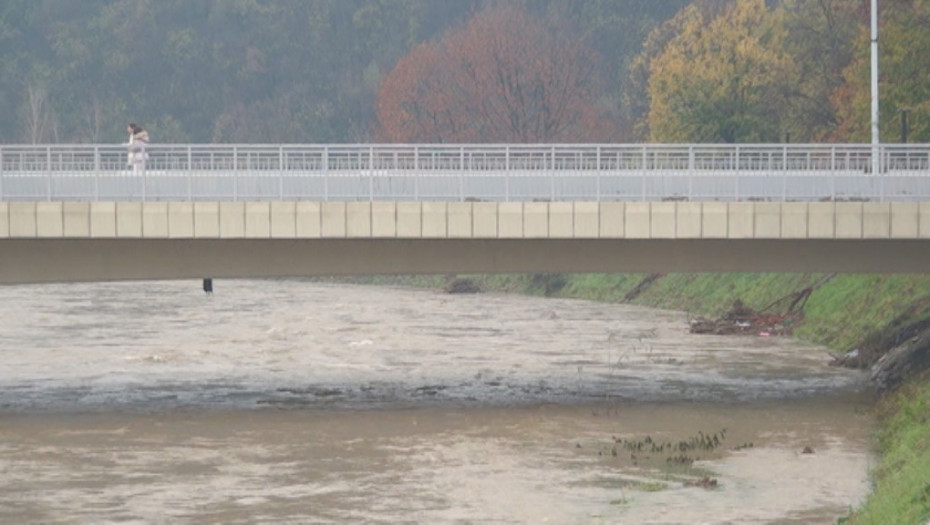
[55, 235]
[71, 241]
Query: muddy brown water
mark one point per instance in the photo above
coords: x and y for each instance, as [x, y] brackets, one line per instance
[301, 402]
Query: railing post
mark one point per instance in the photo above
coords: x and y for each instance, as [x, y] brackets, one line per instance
[462, 174]
[281, 173]
[784, 177]
[643, 171]
[190, 172]
[737, 176]
[692, 172]
[371, 173]
[235, 168]
[1, 173]
[784, 171]
[325, 166]
[882, 167]
[552, 175]
[96, 173]
[48, 167]
[416, 173]
[597, 174]
[507, 173]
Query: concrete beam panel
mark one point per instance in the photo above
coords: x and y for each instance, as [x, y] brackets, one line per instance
[103, 219]
[821, 220]
[181, 220]
[876, 220]
[849, 220]
[258, 220]
[458, 220]
[714, 220]
[129, 219]
[688, 220]
[49, 219]
[384, 219]
[794, 220]
[232, 220]
[662, 220]
[485, 220]
[283, 219]
[410, 220]
[536, 220]
[358, 219]
[587, 220]
[636, 219]
[612, 220]
[510, 220]
[905, 220]
[435, 220]
[207, 220]
[924, 221]
[4, 220]
[333, 219]
[561, 220]
[22, 219]
[155, 220]
[767, 220]
[76, 219]
[309, 225]
[741, 222]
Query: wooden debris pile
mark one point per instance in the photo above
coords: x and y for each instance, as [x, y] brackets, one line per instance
[741, 319]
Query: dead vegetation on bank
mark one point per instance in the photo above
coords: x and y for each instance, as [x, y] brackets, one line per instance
[778, 318]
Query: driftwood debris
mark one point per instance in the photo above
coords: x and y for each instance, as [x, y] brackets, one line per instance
[744, 320]
[778, 318]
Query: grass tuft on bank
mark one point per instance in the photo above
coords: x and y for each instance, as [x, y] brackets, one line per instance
[902, 479]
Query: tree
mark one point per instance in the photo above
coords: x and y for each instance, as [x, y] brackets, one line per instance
[821, 34]
[506, 76]
[37, 117]
[724, 79]
[904, 58]
[635, 98]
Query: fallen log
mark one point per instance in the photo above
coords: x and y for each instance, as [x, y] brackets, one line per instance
[905, 360]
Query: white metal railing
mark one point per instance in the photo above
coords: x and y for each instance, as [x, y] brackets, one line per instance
[505, 172]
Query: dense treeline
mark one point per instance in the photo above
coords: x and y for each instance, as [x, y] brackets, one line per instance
[456, 70]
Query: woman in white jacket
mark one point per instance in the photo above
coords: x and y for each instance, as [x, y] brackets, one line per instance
[138, 140]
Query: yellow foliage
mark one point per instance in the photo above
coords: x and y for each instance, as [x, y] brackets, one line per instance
[725, 79]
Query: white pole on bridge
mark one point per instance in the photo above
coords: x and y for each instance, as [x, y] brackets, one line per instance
[875, 133]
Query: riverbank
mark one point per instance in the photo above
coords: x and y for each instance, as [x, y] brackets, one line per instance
[902, 478]
[860, 315]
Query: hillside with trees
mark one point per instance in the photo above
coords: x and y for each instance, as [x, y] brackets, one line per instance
[457, 71]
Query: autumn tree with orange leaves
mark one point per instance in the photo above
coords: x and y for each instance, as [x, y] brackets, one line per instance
[506, 76]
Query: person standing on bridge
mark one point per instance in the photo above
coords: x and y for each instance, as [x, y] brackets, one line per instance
[138, 140]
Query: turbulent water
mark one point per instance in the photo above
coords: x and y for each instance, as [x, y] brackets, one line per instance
[293, 401]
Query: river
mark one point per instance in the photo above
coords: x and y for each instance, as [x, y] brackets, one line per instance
[304, 402]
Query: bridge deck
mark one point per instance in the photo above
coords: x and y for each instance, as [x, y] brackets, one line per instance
[468, 172]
